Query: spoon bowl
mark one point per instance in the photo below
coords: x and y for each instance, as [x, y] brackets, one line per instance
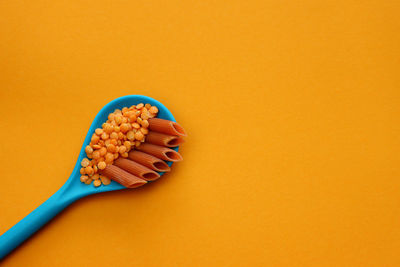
[74, 189]
[73, 182]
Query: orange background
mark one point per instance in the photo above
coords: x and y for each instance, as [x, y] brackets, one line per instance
[292, 108]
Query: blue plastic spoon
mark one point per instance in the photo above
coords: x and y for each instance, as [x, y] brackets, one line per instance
[73, 189]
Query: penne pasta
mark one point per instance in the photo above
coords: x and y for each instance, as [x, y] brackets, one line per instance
[160, 152]
[136, 169]
[149, 161]
[166, 127]
[161, 139]
[124, 178]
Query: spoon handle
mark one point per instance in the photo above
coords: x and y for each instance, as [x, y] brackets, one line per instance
[33, 221]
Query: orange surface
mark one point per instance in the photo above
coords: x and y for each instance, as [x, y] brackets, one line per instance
[292, 110]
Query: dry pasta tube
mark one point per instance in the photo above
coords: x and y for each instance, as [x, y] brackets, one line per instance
[160, 152]
[149, 161]
[136, 169]
[124, 178]
[161, 139]
[166, 127]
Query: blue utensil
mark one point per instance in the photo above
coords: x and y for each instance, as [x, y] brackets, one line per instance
[73, 189]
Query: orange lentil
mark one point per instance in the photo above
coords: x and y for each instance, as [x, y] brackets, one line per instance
[108, 128]
[153, 109]
[85, 162]
[139, 136]
[105, 136]
[128, 145]
[144, 130]
[101, 165]
[124, 127]
[84, 178]
[111, 148]
[89, 170]
[109, 158]
[122, 149]
[145, 115]
[139, 106]
[95, 138]
[98, 131]
[114, 135]
[97, 183]
[145, 123]
[103, 151]
[96, 146]
[132, 117]
[118, 119]
[88, 150]
[96, 154]
[130, 135]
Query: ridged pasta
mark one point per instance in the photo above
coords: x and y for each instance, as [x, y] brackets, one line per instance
[149, 161]
[166, 127]
[161, 139]
[122, 177]
[160, 152]
[136, 169]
